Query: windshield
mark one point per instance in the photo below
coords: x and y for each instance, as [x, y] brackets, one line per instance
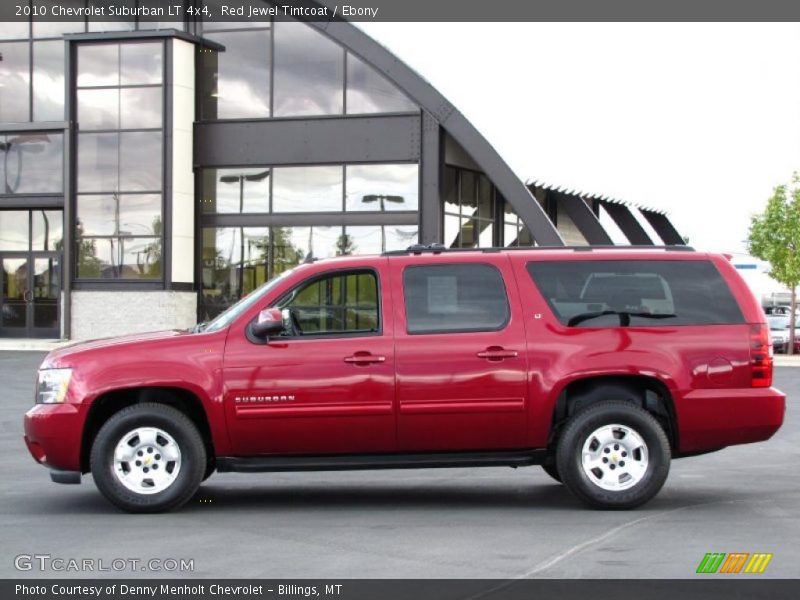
[231, 314]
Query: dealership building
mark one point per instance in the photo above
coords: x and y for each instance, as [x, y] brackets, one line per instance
[155, 172]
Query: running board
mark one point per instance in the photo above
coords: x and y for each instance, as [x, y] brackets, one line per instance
[352, 462]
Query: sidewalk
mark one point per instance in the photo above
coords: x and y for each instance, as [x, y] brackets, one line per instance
[782, 360]
[32, 345]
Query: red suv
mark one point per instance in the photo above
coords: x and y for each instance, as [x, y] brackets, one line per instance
[599, 364]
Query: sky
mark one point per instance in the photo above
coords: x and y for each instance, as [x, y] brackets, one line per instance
[699, 120]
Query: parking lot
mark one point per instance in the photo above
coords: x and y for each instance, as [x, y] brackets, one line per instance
[450, 523]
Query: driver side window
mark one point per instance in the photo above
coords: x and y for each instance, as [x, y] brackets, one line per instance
[342, 302]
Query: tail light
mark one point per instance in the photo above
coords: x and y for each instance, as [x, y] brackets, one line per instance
[760, 356]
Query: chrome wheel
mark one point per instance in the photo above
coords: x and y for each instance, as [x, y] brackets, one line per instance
[614, 457]
[147, 460]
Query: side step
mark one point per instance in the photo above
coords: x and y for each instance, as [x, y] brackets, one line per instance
[352, 462]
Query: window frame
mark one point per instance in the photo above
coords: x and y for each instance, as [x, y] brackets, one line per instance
[163, 281]
[504, 325]
[341, 272]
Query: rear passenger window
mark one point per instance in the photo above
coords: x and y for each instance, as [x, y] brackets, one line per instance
[652, 293]
[455, 298]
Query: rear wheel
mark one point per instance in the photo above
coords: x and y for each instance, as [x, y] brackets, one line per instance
[148, 458]
[613, 455]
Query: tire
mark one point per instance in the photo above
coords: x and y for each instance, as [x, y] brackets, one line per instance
[552, 470]
[613, 432]
[146, 437]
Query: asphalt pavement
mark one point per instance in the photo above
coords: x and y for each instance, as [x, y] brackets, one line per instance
[436, 523]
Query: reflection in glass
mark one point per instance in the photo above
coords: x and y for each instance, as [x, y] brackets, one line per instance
[140, 161]
[235, 190]
[98, 65]
[98, 109]
[48, 230]
[307, 189]
[48, 81]
[141, 63]
[119, 258]
[140, 108]
[309, 72]
[14, 81]
[14, 30]
[241, 74]
[451, 190]
[97, 162]
[46, 291]
[119, 214]
[234, 264]
[452, 226]
[382, 188]
[42, 28]
[14, 230]
[116, 24]
[31, 163]
[14, 284]
[375, 239]
[370, 92]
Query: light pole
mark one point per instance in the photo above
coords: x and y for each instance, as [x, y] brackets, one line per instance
[382, 199]
[240, 179]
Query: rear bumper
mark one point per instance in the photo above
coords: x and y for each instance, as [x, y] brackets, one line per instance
[715, 418]
[53, 435]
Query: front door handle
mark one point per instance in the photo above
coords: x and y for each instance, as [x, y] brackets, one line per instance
[364, 358]
[497, 353]
[27, 296]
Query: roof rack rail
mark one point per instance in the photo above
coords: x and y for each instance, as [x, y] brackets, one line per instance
[441, 248]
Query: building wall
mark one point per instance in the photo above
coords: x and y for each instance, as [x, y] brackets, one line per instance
[97, 314]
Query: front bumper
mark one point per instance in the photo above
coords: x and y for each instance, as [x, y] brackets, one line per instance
[53, 435]
[714, 418]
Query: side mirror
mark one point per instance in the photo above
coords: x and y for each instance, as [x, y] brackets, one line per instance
[269, 322]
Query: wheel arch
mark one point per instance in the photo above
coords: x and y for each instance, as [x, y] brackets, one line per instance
[111, 402]
[648, 392]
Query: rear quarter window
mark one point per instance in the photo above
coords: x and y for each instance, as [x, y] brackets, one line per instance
[638, 293]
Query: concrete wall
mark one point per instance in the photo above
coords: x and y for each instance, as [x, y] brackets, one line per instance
[98, 314]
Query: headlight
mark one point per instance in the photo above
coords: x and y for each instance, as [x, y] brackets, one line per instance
[51, 387]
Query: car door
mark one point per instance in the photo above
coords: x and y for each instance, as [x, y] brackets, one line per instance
[327, 384]
[460, 353]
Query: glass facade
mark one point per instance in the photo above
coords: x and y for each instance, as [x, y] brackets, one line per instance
[253, 221]
[237, 81]
[32, 163]
[287, 69]
[469, 209]
[370, 92]
[312, 189]
[120, 159]
[236, 260]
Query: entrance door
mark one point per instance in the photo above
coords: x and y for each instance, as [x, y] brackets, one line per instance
[30, 287]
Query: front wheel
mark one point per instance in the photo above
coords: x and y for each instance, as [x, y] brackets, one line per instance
[613, 455]
[148, 458]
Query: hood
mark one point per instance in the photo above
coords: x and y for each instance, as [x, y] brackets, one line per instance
[59, 355]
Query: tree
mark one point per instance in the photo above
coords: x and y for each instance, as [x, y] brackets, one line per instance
[345, 244]
[775, 237]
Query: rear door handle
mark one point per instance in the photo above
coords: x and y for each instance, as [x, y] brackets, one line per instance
[364, 358]
[497, 353]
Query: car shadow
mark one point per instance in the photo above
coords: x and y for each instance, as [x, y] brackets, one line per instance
[464, 494]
